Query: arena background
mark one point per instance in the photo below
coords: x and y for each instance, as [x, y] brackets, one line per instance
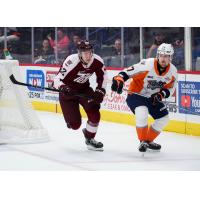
[41, 51]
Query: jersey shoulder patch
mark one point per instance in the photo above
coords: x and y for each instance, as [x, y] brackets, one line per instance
[72, 59]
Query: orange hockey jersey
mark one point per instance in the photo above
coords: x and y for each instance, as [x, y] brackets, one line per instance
[146, 80]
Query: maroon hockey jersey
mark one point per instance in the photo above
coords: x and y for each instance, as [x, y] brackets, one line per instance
[76, 75]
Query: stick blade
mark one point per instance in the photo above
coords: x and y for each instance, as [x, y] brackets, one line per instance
[12, 78]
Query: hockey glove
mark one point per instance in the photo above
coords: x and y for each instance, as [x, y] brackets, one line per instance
[66, 90]
[98, 95]
[157, 97]
[117, 84]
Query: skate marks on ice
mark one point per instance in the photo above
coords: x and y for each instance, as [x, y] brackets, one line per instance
[87, 160]
[67, 150]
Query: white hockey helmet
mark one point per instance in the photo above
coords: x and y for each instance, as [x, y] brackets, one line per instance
[165, 49]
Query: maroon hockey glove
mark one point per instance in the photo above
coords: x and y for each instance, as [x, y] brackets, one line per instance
[98, 95]
[66, 90]
[117, 84]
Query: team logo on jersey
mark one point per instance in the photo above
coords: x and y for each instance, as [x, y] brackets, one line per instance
[82, 77]
[153, 84]
[142, 62]
[69, 62]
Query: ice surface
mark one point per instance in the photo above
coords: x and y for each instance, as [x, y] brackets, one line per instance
[67, 150]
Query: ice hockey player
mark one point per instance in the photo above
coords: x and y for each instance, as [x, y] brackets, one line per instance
[72, 79]
[152, 80]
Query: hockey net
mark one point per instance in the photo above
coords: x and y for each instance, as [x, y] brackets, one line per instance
[18, 121]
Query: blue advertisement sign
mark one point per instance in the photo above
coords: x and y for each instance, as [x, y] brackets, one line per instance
[189, 97]
[36, 78]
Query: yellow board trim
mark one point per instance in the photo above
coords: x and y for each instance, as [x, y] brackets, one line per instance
[173, 126]
[44, 106]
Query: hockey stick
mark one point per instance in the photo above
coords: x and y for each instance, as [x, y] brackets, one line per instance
[14, 81]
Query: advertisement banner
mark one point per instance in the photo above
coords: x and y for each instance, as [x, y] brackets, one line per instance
[189, 97]
[40, 76]
[36, 78]
[184, 101]
[50, 75]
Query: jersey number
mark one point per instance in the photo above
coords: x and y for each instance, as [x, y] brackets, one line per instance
[63, 71]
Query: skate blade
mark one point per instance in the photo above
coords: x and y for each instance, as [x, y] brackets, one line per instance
[94, 149]
[153, 151]
[149, 151]
[142, 154]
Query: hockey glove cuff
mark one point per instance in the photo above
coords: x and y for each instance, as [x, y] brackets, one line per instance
[117, 84]
[98, 95]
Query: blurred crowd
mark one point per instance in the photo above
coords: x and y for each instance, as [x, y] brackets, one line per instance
[52, 47]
